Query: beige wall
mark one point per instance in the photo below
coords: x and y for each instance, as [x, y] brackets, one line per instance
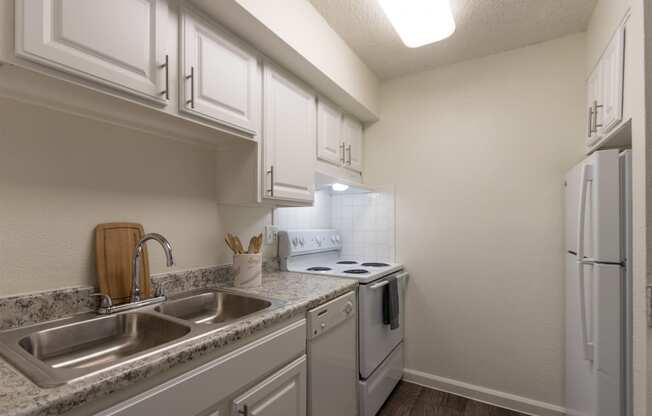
[477, 152]
[60, 175]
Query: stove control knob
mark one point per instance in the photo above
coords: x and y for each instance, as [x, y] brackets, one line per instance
[295, 242]
[301, 241]
[338, 238]
[333, 239]
[318, 241]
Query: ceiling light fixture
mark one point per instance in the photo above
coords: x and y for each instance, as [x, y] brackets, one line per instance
[339, 187]
[420, 22]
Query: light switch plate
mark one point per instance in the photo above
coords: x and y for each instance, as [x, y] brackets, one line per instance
[271, 234]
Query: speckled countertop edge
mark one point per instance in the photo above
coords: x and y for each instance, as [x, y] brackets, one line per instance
[20, 397]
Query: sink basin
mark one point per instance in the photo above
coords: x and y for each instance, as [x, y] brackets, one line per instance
[59, 352]
[213, 307]
[100, 341]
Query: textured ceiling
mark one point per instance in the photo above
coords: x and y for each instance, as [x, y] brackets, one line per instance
[484, 27]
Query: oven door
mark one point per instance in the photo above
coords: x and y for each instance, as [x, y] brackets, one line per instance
[377, 340]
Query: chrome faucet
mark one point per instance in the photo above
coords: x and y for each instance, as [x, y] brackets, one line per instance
[137, 253]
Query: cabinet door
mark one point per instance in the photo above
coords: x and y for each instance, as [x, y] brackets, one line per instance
[117, 43]
[352, 136]
[289, 137]
[282, 394]
[594, 96]
[221, 79]
[612, 68]
[330, 147]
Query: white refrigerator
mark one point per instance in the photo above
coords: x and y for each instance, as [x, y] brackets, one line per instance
[598, 285]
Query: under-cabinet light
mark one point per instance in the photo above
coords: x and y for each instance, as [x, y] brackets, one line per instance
[339, 187]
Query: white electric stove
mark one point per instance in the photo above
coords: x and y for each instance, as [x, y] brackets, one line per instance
[380, 348]
[319, 252]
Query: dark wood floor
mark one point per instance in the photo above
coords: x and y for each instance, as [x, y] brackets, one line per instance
[412, 400]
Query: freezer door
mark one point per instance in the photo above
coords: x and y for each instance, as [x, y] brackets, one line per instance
[594, 387]
[592, 198]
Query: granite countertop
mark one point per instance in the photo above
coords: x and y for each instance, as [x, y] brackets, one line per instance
[20, 397]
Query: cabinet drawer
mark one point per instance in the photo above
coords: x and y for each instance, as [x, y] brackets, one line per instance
[283, 394]
[206, 386]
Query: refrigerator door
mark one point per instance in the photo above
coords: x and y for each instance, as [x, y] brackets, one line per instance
[580, 380]
[592, 196]
[594, 387]
[609, 327]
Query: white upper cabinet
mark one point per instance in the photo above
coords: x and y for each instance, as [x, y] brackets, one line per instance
[330, 147]
[289, 137]
[605, 90]
[352, 136]
[594, 93]
[612, 81]
[118, 43]
[339, 137]
[283, 394]
[221, 78]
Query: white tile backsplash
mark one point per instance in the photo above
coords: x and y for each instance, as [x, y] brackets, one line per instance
[365, 222]
[316, 216]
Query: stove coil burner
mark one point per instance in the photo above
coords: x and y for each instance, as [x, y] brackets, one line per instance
[319, 269]
[375, 264]
[356, 271]
[347, 262]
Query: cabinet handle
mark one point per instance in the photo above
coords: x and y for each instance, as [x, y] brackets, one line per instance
[349, 149]
[166, 65]
[270, 172]
[590, 121]
[595, 116]
[342, 153]
[191, 77]
[244, 411]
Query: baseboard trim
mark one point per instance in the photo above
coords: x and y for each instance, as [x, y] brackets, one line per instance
[483, 394]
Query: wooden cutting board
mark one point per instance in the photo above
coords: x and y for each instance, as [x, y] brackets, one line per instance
[114, 245]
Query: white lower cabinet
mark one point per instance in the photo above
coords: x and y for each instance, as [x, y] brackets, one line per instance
[235, 383]
[283, 394]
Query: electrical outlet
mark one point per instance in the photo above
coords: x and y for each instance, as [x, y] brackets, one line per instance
[271, 234]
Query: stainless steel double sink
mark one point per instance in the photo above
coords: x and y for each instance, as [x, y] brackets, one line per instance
[59, 352]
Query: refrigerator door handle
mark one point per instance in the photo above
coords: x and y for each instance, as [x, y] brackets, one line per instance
[586, 179]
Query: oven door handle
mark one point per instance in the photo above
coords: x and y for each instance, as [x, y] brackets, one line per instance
[379, 285]
[401, 276]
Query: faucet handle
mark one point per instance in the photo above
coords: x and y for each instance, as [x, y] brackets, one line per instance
[105, 300]
[160, 292]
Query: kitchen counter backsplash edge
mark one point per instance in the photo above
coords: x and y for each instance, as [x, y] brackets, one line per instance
[32, 308]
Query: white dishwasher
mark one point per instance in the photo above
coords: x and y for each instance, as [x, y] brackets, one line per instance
[332, 358]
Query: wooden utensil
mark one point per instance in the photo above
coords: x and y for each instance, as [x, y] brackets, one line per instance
[234, 243]
[114, 244]
[238, 244]
[227, 240]
[252, 245]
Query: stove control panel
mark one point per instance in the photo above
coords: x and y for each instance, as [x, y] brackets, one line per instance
[298, 242]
